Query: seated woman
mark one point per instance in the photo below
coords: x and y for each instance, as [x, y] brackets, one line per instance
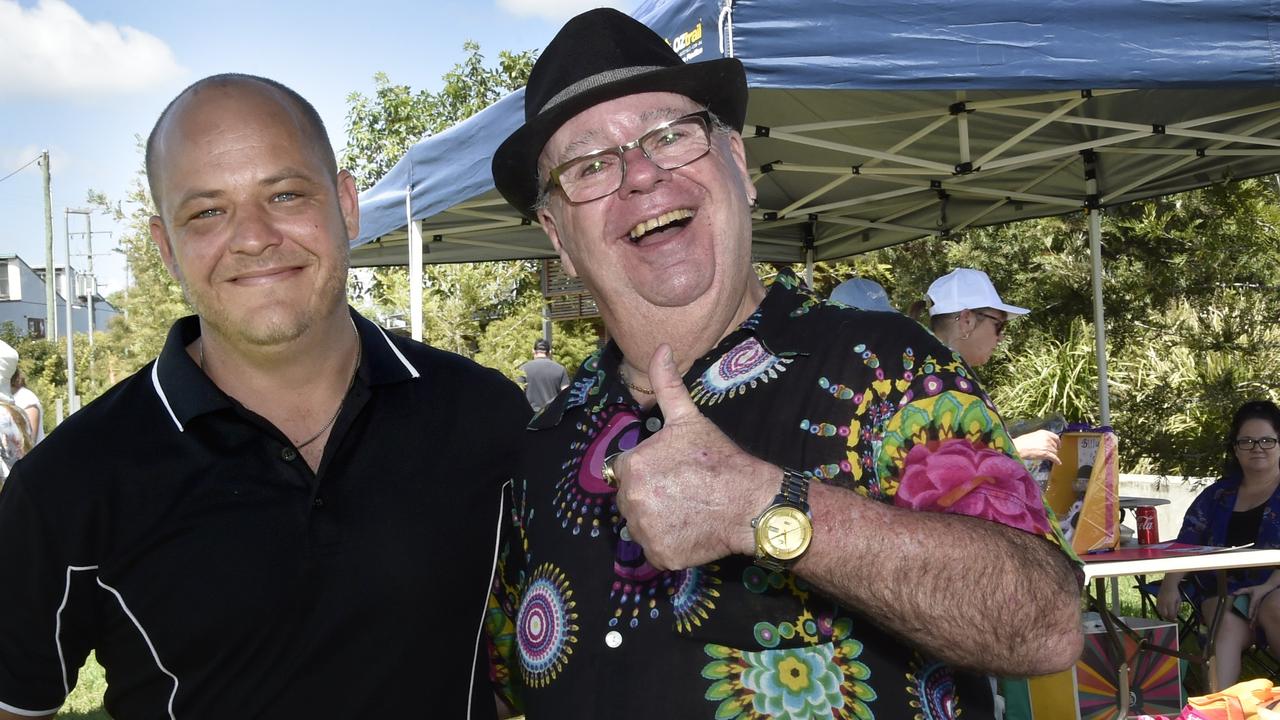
[967, 314]
[1243, 507]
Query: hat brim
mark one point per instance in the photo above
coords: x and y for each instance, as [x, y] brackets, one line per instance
[1011, 309]
[946, 309]
[720, 85]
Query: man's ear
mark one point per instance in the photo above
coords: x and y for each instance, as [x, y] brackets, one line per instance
[553, 233]
[160, 236]
[349, 204]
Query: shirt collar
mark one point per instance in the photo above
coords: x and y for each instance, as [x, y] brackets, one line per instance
[186, 392]
[597, 382]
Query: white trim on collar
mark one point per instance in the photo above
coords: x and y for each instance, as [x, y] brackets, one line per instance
[155, 381]
[413, 371]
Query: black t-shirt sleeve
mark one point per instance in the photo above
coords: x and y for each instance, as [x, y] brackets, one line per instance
[50, 596]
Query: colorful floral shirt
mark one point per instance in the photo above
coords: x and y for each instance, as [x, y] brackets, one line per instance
[585, 628]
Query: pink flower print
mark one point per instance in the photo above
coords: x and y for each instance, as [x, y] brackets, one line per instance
[956, 477]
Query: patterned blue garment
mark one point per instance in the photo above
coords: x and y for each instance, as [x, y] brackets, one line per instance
[1206, 523]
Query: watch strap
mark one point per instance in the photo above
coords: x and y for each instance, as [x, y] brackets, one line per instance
[794, 491]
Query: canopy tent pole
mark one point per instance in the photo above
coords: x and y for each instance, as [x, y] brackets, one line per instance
[415, 269]
[808, 267]
[1095, 257]
[1099, 322]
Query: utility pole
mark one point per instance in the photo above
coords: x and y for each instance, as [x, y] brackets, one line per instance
[88, 238]
[50, 304]
[70, 289]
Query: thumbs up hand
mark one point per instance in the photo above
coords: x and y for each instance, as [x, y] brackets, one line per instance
[688, 492]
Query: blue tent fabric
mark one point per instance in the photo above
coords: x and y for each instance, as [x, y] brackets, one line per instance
[454, 163]
[877, 122]
[994, 44]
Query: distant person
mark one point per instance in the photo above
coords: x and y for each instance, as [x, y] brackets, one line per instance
[542, 377]
[289, 513]
[1242, 507]
[864, 294]
[967, 314]
[30, 404]
[15, 431]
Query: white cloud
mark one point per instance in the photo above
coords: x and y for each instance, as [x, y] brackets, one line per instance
[556, 10]
[52, 51]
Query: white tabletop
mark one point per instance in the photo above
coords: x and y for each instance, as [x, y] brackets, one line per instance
[1096, 567]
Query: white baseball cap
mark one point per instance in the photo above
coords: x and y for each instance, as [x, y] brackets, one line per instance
[966, 289]
[863, 294]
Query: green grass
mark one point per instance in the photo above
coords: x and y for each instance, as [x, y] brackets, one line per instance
[1193, 675]
[85, 702]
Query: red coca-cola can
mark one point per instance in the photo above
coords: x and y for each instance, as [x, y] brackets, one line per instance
[1148, 528]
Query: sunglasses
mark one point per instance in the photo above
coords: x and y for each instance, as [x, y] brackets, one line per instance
[1000, 323]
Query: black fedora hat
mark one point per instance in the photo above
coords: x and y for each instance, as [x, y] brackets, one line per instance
[598, 56]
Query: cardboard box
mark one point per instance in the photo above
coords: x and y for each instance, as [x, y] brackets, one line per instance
[1083, 491]
[1089, 691]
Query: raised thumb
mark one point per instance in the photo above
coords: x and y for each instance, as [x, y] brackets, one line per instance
[673, 397]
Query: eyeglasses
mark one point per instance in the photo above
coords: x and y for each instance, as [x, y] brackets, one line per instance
[1247, 443]
[670, 145]
[998, 322]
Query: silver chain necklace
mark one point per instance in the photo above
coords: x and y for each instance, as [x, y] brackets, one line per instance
[341, 403]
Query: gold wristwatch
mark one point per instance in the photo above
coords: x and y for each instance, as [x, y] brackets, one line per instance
[785, 528]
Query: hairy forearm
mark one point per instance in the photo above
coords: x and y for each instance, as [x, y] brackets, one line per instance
[970, 592]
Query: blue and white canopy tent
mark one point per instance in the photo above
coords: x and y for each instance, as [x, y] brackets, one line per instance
[877, 122]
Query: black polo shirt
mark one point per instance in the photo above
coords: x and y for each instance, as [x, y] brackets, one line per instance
[183, 537]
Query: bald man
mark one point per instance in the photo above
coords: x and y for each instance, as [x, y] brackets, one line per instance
[282, 515]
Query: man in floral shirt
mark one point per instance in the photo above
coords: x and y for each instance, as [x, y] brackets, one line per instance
[751, 503]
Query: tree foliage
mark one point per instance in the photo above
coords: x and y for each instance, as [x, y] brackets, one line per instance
[489, 311]
[380, 129]
[1191, 305]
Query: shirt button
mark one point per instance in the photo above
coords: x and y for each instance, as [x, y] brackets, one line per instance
[653, 424]
[318, 502]
[613, 639]
[289, 454]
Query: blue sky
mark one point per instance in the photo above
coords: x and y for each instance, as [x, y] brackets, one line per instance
[82, 79]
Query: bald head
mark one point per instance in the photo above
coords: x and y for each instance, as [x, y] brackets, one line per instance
[297, 112]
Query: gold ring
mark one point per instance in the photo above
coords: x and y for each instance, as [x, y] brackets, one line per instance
[607, 472]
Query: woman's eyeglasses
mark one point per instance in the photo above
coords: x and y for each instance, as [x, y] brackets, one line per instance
[997, 321]
[1247, 443]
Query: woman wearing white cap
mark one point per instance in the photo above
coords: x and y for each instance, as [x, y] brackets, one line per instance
[15, 435]
[967, 314]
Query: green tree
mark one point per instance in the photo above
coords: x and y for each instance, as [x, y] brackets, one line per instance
[152, 300]
[1189, 291]
[380, 129]
[491, 311]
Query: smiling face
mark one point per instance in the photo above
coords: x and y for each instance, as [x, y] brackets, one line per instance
[251, 222]
[666, 238]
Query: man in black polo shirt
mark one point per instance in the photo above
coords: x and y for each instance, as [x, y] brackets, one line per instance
[289, 513]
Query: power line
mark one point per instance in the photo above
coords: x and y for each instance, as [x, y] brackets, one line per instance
[36, 159]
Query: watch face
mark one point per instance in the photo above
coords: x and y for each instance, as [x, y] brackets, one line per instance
[786, 532]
